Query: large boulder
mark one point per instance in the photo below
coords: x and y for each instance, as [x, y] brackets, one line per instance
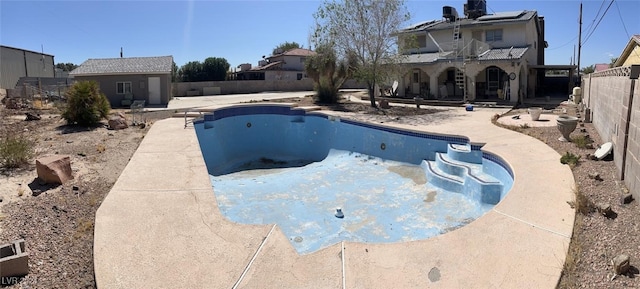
[54, 169]
[118, 121]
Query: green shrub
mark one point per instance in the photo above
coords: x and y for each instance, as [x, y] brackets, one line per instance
[582, 141]
[15, 151]
[326, 92]
[570, 159]
[86, 105]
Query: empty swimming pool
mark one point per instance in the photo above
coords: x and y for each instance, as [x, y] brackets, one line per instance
[276, 164]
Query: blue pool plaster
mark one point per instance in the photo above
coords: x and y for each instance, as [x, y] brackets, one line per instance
[274, 164]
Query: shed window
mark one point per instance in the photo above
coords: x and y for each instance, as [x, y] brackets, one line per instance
[123, 87]
[494, 35]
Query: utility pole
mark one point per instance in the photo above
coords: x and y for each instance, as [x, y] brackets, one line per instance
[579, 38]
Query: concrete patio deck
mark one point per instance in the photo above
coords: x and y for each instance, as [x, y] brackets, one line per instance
[160, 227]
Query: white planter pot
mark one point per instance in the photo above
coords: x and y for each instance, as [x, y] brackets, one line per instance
[535, 113]
[566, 125]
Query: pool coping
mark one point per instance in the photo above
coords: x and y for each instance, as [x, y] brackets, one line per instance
[154, 232]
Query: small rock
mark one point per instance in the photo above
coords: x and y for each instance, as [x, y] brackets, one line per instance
[110, 134]
[25, 130]
[595, 176]
[69, 141]
[589, 146]
[75, 188]
[621, 264]
[604, 209]
[581, 124]
[82, 154]
[583, 130]
[32, 116]
[625, 199]
[1, 199]
[142, 125]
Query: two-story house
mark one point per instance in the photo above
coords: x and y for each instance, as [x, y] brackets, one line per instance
[281, 66]
[477, 56]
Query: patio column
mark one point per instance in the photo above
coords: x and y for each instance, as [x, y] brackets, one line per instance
[433, 86]
[514, 86]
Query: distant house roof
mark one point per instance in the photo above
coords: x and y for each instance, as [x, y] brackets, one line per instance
[601, 67]
[129, 65]
[295, 52]
[489, 19]
[491, 54]
[631, 45]
[266, 67]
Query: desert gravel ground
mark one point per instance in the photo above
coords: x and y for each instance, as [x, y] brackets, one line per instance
[57, 222]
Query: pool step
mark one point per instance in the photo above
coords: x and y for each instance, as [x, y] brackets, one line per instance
[456, 167]
[460, 177]
[442, 179]
[464, 153]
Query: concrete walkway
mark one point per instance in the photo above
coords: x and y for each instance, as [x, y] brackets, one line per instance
[160, 227]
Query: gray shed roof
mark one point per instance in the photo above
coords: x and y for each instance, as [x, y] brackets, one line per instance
[129, 65]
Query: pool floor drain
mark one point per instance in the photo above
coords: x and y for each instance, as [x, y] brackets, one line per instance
[339, 213]
[297, 239]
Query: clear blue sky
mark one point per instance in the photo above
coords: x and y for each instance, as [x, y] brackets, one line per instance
[244, 31]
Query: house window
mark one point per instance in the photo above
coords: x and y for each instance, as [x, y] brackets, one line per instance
[301, 59]
[299, 76]
[422, 41]
[123, 87]
[494, 35]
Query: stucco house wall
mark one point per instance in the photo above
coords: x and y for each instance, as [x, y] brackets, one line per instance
[293, 62]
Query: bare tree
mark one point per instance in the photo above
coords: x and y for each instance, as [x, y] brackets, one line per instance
[365, 29]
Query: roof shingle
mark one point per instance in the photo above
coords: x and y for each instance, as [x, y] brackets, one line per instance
[129, 65]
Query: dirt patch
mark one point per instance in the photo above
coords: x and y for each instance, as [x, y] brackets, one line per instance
[597, 239]
[57, 221]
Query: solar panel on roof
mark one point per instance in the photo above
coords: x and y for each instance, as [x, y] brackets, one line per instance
[417, 25]
[501, 16]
